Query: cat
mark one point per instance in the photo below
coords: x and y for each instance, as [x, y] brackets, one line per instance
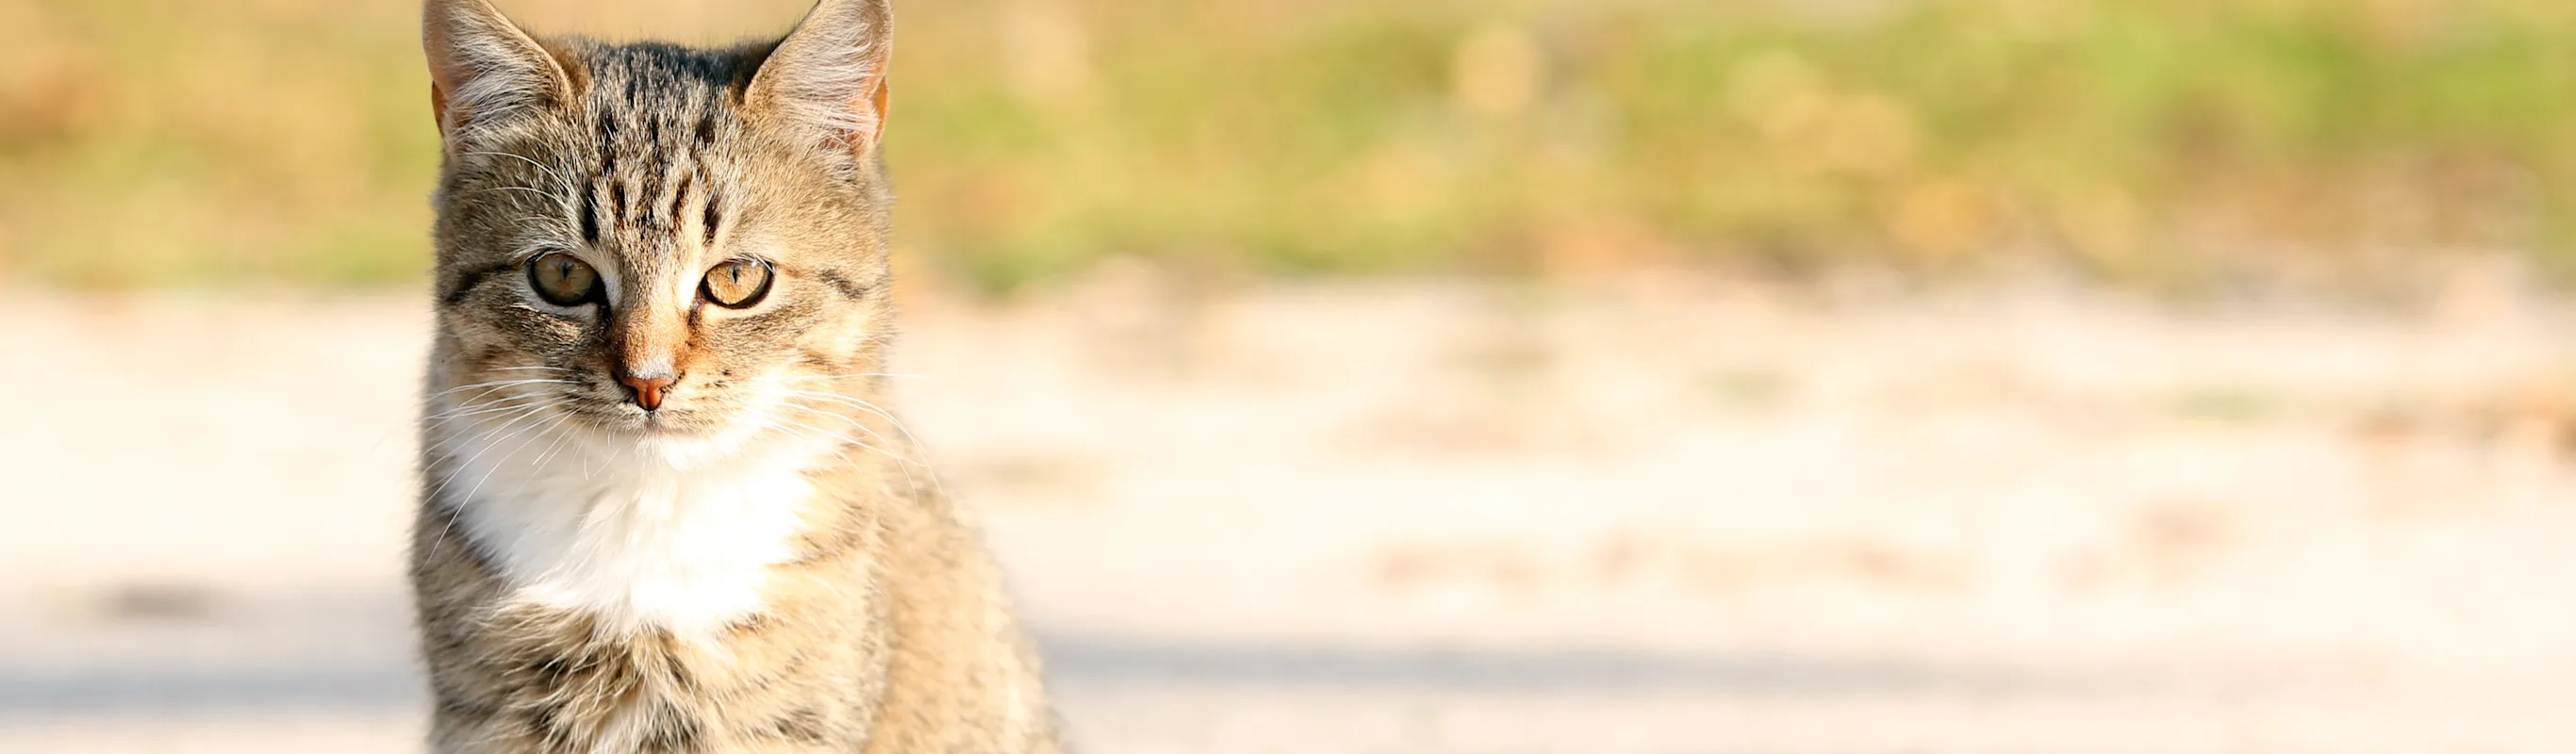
[662, 509]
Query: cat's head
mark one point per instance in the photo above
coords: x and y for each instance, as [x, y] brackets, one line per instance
[653, 240]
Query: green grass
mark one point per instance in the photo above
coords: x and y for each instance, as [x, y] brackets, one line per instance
[2151, 142]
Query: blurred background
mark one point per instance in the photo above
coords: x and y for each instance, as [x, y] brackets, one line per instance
[1439, 376]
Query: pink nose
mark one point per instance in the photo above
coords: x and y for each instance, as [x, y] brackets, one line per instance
[648, 389]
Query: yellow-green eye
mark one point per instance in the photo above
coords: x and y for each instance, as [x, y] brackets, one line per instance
[563, 280]
[738, 283]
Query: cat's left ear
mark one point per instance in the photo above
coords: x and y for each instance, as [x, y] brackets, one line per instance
[828, 77]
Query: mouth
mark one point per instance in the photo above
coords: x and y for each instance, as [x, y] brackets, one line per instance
[628, 419]
[661, 425]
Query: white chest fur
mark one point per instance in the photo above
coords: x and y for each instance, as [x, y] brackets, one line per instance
[678, 536]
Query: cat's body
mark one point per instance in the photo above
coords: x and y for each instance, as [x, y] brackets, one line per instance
[662, 511]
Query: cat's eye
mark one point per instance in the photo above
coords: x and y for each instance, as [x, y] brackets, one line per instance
[563, 280]
[737, 284]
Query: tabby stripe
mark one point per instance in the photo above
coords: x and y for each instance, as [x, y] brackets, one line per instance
[467, 281]
[841, 284]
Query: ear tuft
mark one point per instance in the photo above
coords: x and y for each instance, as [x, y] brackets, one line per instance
[827, 78]
[482, 68]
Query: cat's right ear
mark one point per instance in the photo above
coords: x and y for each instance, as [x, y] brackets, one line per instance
[483, 69]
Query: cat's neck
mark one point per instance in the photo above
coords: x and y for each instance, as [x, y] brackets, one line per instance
[677, 535]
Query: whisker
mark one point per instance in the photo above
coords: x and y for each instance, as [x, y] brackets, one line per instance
[511, 405]
[839, 399]
[540, 429]
[504, 404]
[798, 429]
[454, 411]
[448, 448]
[773, 423]
[854, 423]
[908, 437]
[478, 485]
[485, 407]
[549, 452]
[863, 405]
[478, 403]
[522, 415]
[449, 479]
[500, 384]
[901, 463]
[492, 383]
[814, 377]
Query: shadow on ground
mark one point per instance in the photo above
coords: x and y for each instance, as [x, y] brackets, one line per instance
[1086, 660]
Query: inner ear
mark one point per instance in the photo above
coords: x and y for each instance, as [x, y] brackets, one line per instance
[883, 101]
[438, 105]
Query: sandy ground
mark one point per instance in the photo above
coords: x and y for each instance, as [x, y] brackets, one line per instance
[1644, 517]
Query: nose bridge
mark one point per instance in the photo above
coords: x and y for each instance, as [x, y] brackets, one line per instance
[652, 320]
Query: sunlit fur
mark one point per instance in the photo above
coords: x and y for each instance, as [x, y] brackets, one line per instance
[761, 563]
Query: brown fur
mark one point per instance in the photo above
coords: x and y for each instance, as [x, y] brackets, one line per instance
[887, 630]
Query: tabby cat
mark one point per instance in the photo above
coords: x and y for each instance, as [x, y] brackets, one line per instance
[662, 509]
